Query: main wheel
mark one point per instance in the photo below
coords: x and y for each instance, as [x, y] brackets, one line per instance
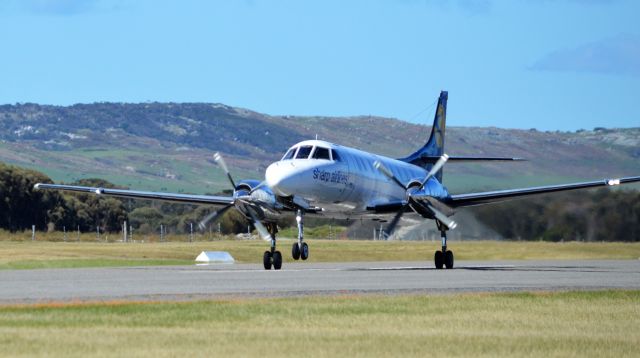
[266, 260]
[295, 251]
[304, 252]
[277, 260]
[438, 258]
[448, 259]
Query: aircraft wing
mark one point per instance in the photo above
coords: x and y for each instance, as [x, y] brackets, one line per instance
[149, 195]
[487, 197]
[453, 159]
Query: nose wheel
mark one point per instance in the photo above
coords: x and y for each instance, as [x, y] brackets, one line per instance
[300, 249]
[298, 252]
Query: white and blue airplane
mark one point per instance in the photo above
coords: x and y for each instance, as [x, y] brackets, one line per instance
[316, 177]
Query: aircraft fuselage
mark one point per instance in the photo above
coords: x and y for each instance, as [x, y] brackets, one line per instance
[346, 183]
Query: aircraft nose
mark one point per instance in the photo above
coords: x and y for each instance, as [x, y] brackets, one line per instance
[275, 177]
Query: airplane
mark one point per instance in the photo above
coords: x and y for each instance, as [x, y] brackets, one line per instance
[316, 177]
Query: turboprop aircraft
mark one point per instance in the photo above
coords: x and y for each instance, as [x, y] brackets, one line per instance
[316, 177]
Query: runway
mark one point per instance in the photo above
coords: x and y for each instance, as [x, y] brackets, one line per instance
[300, 279]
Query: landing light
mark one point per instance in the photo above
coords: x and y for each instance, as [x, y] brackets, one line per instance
[613, 182]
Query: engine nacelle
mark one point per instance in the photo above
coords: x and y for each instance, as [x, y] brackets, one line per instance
[263, 201]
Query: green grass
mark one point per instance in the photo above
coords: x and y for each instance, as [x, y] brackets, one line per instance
[38, 254]
[80, 263]
[566, 324]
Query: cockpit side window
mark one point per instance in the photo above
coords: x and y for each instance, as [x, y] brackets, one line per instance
[321, 153]
[290, 153]
[335, 155]
[304, 152]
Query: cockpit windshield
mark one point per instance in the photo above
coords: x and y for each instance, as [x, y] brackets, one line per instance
[304, 152]
[290, 153]
[321, 153]
[310, 152]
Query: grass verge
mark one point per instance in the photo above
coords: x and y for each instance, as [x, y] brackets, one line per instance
[565, 324]
[28, 254]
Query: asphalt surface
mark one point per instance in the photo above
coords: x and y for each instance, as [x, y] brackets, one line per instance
[300, 279]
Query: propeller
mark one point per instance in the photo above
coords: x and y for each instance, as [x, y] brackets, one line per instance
[264, 233]
[394, 222]
[436, 213]
[443, 218]
[218, 213]
[218, 158]
[386, 172]
[259, 186]
[436, 167]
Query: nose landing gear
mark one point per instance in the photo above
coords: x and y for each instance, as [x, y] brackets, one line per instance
[300, 249]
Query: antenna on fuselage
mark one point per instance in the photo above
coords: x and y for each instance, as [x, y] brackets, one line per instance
[316, 136]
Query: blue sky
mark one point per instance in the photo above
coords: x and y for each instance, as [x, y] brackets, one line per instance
[546, 64]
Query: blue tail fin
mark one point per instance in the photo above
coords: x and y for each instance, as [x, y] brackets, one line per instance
[434, 148]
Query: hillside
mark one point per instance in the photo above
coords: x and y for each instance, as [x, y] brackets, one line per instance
[169, 146]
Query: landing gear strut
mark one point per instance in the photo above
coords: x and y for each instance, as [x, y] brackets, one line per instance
[272, 257]
[300, 249]
[444, 257]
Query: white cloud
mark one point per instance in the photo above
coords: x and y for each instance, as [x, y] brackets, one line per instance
[618, 55]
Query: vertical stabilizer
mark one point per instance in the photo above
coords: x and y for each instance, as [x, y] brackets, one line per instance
[425, 157]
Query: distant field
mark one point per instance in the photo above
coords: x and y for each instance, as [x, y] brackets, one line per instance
[29, 255]
[565, 324]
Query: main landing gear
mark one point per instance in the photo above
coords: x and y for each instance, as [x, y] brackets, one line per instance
[272, 257]
[444, 257]
[300, 249]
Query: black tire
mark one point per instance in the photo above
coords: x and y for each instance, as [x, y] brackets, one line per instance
[304, 252]
[277, 260]
[266, 260]
[448, 259]
[438, 258]
[295, 251]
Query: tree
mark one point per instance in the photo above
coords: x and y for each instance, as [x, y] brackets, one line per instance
[20, 204]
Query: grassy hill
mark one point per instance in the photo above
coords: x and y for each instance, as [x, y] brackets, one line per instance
[169, 146]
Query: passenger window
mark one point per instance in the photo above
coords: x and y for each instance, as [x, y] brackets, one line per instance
[335, 155]
[289, 154]
[303, 152]
[321, 153]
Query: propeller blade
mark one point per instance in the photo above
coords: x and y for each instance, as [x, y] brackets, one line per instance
[264, 233]
[259, 186]
[386, 172]
[443, 218]
[394, 222]
[203, 223]
[436, 167]
[218, 158]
